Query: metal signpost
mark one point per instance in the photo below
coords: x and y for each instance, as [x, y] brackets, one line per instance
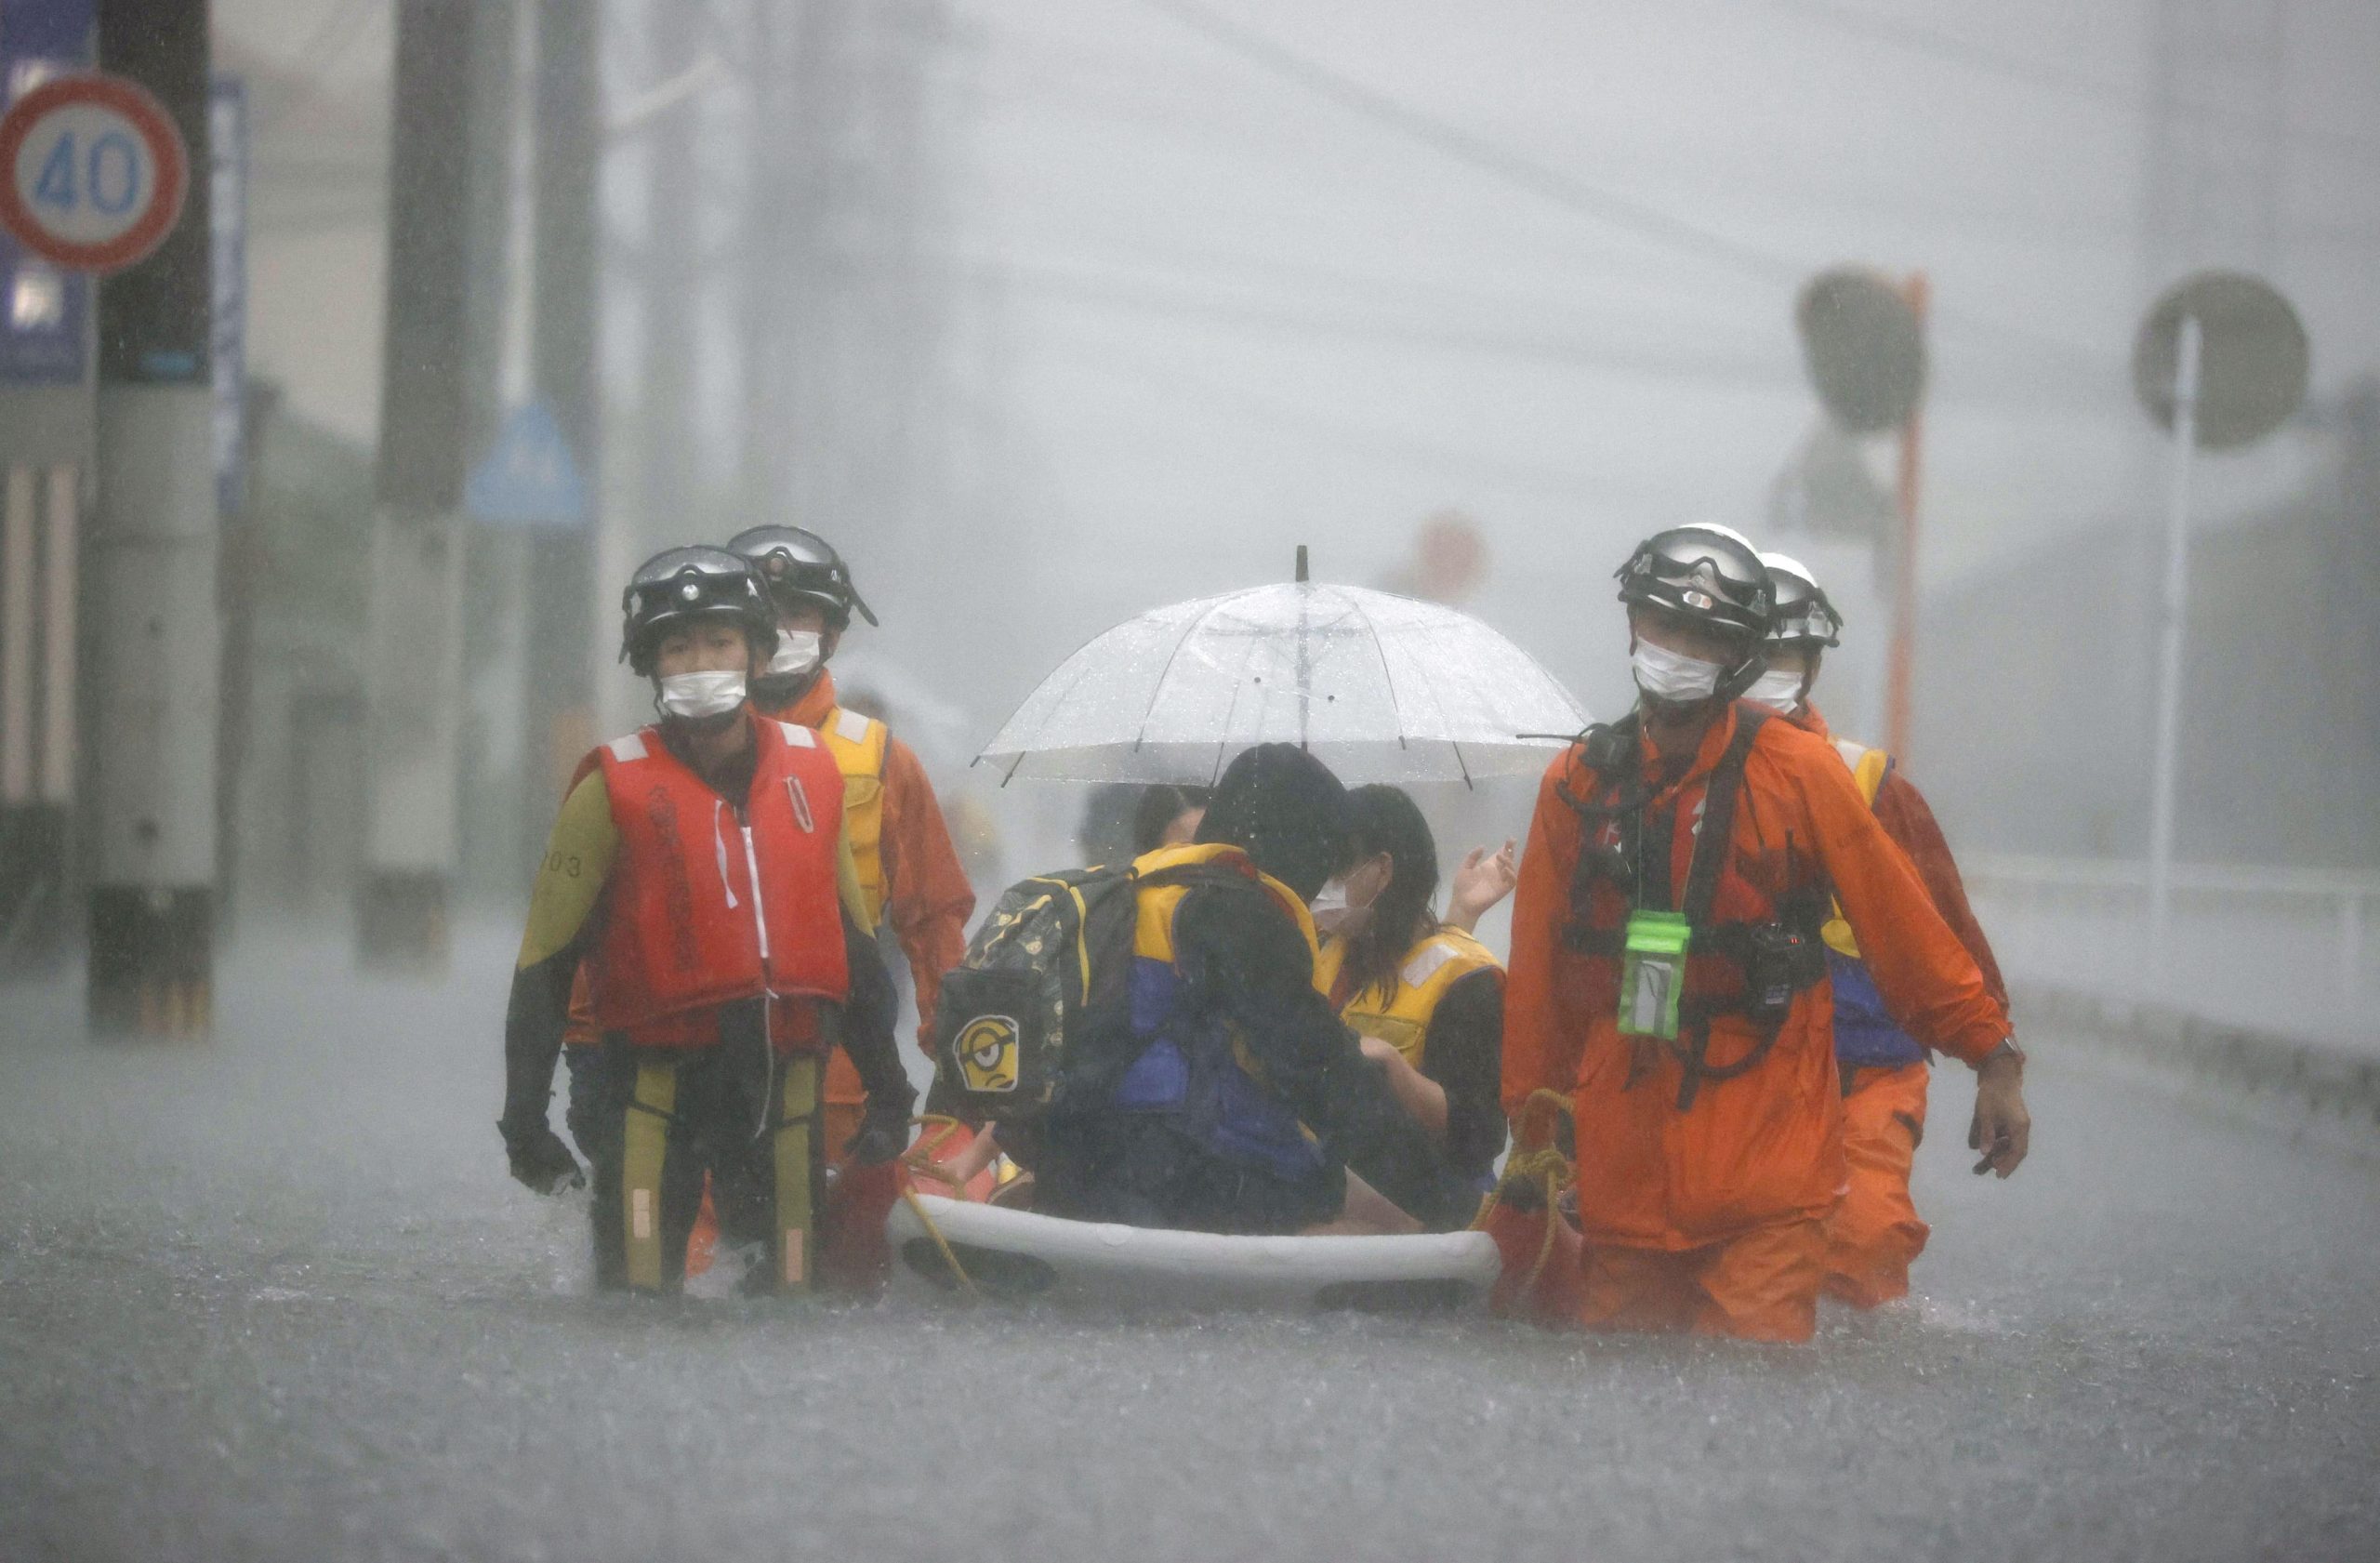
[2220, 362]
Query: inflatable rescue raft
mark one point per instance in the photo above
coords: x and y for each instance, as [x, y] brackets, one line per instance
[1016, 1255]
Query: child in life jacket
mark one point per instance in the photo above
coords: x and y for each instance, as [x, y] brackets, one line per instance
[701, 871]
[1424, 999]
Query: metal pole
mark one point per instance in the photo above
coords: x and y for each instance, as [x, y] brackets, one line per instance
[152, 559]
[1901, 671]
[563, 589]
[2169, 651]
[413, 677]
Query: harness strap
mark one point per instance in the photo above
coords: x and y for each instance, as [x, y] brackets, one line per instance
[1712, 843]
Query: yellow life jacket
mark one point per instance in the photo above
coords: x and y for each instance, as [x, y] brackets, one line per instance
[1401, 1019]
[859, 744]
[1868, 767]
[1153, 932]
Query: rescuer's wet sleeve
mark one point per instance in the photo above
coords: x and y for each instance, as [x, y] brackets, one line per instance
[1927, 980]
[926, 898]
[562, 907]
[869, 1013]
[1541, 1046]
[1905, 815]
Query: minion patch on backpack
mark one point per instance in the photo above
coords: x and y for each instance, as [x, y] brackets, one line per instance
[987, 1052]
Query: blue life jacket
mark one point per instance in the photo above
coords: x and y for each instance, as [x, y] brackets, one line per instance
[1192, 1065]
[1866, 1036]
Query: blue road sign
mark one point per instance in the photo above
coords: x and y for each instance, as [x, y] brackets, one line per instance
[530, 478]
[45, 311]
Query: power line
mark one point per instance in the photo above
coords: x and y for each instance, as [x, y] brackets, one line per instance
[1607, 206]
[1074, 286]
[1624, 212]
[342, 23]
[1747, 374]
[1368, 439]
[1918, 39]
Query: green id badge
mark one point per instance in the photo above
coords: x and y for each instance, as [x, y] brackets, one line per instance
[1652, 973]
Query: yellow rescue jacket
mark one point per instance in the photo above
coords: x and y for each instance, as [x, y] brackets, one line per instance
[1868, 768]
[1401, 1018]
[859, 744]
[1155, 905]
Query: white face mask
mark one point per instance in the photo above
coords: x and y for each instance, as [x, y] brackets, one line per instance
[1332, 900]
[695, 696]
[1779, 689]
[797, 653]
[1672, 676]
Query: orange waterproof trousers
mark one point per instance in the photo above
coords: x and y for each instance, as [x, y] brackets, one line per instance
[1875, 1233]
[1761, 1286]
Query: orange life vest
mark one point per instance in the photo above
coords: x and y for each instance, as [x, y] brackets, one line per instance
[708, 904]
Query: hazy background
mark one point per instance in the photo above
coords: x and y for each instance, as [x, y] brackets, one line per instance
[1164, 311]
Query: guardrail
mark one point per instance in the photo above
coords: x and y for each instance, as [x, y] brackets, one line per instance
[2346, 895]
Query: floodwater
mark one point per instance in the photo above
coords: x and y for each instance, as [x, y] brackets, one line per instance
[272, 1297]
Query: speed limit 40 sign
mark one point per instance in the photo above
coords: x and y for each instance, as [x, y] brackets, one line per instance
[92, 172]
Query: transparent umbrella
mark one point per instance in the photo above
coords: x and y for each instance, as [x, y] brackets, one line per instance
[1379, 687]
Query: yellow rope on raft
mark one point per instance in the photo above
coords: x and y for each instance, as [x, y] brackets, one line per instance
[1543, 1166]
[919, 1159]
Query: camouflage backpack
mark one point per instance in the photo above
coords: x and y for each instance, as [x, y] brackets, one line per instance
[1040, 1003]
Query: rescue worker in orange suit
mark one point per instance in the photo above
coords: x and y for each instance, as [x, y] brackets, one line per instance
[700, 872]
[1875, 1233]
[908, 869]
[1668, 978]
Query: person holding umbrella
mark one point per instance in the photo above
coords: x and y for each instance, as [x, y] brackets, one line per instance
[1667, 976]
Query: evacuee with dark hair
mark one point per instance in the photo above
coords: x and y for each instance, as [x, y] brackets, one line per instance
[700, 879]
[1231, 1098]
[1167, 815]
[1667, 976]
[1425, 998]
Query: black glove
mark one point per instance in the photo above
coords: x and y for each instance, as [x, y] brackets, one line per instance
[540, 1161]
[883, 1130]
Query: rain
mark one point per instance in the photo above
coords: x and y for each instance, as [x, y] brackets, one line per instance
[1170, 378]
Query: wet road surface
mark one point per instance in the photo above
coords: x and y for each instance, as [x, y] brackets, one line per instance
[272, 1297]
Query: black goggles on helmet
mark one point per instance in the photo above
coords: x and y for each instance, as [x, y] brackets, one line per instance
[1701, 575]
[792, 578]
[1810, 620]
[683, 583]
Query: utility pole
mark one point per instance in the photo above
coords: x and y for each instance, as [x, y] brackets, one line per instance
[415, 673]
[669, 282]
[561, 585]
[150, 572]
